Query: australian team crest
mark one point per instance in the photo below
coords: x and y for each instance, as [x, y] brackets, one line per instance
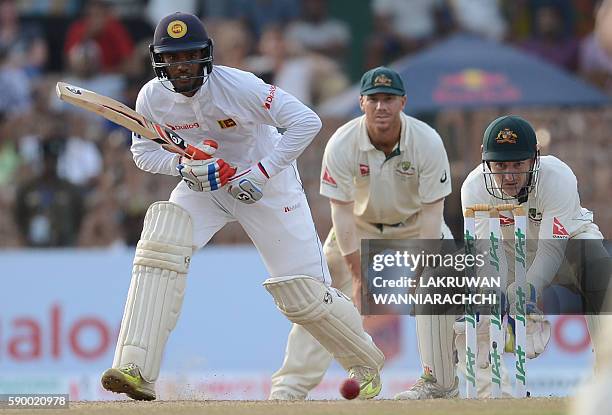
[534, 215]
[382, 80]
[405, 168]
[506, 136]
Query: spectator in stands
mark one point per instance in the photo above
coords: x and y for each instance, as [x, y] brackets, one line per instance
[259, 14]
[232, 42]
[308, 76]
[595, 64]
[9, 155]
[518, 19]
[156, 9]
[50, 8]
[78, 158]
[402, 27]
[84, 64]
[15, 99]
[48, 209]
[25, 44]
[482, 17]
[317, 32]
[603, 26]
[100, 26]
[550, 39]
[102, 222]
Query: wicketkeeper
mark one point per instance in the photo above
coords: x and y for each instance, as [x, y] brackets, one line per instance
[512, 171]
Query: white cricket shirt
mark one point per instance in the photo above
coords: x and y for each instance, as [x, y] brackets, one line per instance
[386, 190]
[553, 213]
[236, 109]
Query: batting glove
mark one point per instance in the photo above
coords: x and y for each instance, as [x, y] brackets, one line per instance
[247, 186]
[205, 175]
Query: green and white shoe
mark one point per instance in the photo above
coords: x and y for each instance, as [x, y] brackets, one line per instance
[127, 379]
[369, 381]
[428, 388]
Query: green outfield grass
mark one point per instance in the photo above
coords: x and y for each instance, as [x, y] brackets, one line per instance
[531, 406]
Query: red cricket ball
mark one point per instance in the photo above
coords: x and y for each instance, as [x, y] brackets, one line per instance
[349, 389]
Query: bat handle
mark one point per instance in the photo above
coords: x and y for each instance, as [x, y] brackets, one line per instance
[195, 153]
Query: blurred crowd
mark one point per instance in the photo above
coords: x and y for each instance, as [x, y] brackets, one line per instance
[67, 177]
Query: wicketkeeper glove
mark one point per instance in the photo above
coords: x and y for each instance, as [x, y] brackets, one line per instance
[482, 338]
[247, 186]
[205, 175]
[538, 327]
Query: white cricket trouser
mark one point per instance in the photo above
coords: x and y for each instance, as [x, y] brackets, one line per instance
[279, 224]
[306, 361]
[596, 323]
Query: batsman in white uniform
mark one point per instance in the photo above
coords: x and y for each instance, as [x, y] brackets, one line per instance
[252, 178]
[512, 171]
[386, 175]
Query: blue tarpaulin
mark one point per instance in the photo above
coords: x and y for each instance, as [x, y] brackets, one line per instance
[469, 72]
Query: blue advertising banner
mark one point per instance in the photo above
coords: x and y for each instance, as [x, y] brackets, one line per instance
[60, 312]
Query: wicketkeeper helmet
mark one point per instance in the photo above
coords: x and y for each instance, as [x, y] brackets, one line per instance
[510, 138]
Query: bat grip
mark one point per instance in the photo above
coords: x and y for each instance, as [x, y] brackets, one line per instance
[195, 153]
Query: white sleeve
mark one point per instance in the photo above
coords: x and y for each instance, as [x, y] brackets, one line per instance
[336, 173]
[560, 203]
[434, 170]
[148, 155]
[345, 228]
[468, 197]
[268, 104]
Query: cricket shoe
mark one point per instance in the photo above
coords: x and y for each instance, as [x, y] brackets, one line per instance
[127, 379]
[369, 381]
[428, 388]
[285, 395]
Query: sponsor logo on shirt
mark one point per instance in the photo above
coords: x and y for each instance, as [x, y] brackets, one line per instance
[184, 126]
[505, 220]
[229, 123]
[444, 177]
[328, 179]
[268, 101]
[364, 170]
[291, 208]
[558, 230]
[405, 168]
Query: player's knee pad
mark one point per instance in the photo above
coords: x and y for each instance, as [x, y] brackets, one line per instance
[157, 288]
[329, 316]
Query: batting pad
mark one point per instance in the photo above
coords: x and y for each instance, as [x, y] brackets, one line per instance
[329, 316]
[157, 289]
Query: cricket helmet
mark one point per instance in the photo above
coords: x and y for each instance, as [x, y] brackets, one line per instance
[181, 32]
[506, 139]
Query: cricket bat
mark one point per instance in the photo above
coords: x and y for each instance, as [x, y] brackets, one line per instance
[123, 115]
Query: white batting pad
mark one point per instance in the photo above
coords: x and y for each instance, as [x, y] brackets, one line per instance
[306, 361]
[157, 289]
[329, 316]
[435, 341]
